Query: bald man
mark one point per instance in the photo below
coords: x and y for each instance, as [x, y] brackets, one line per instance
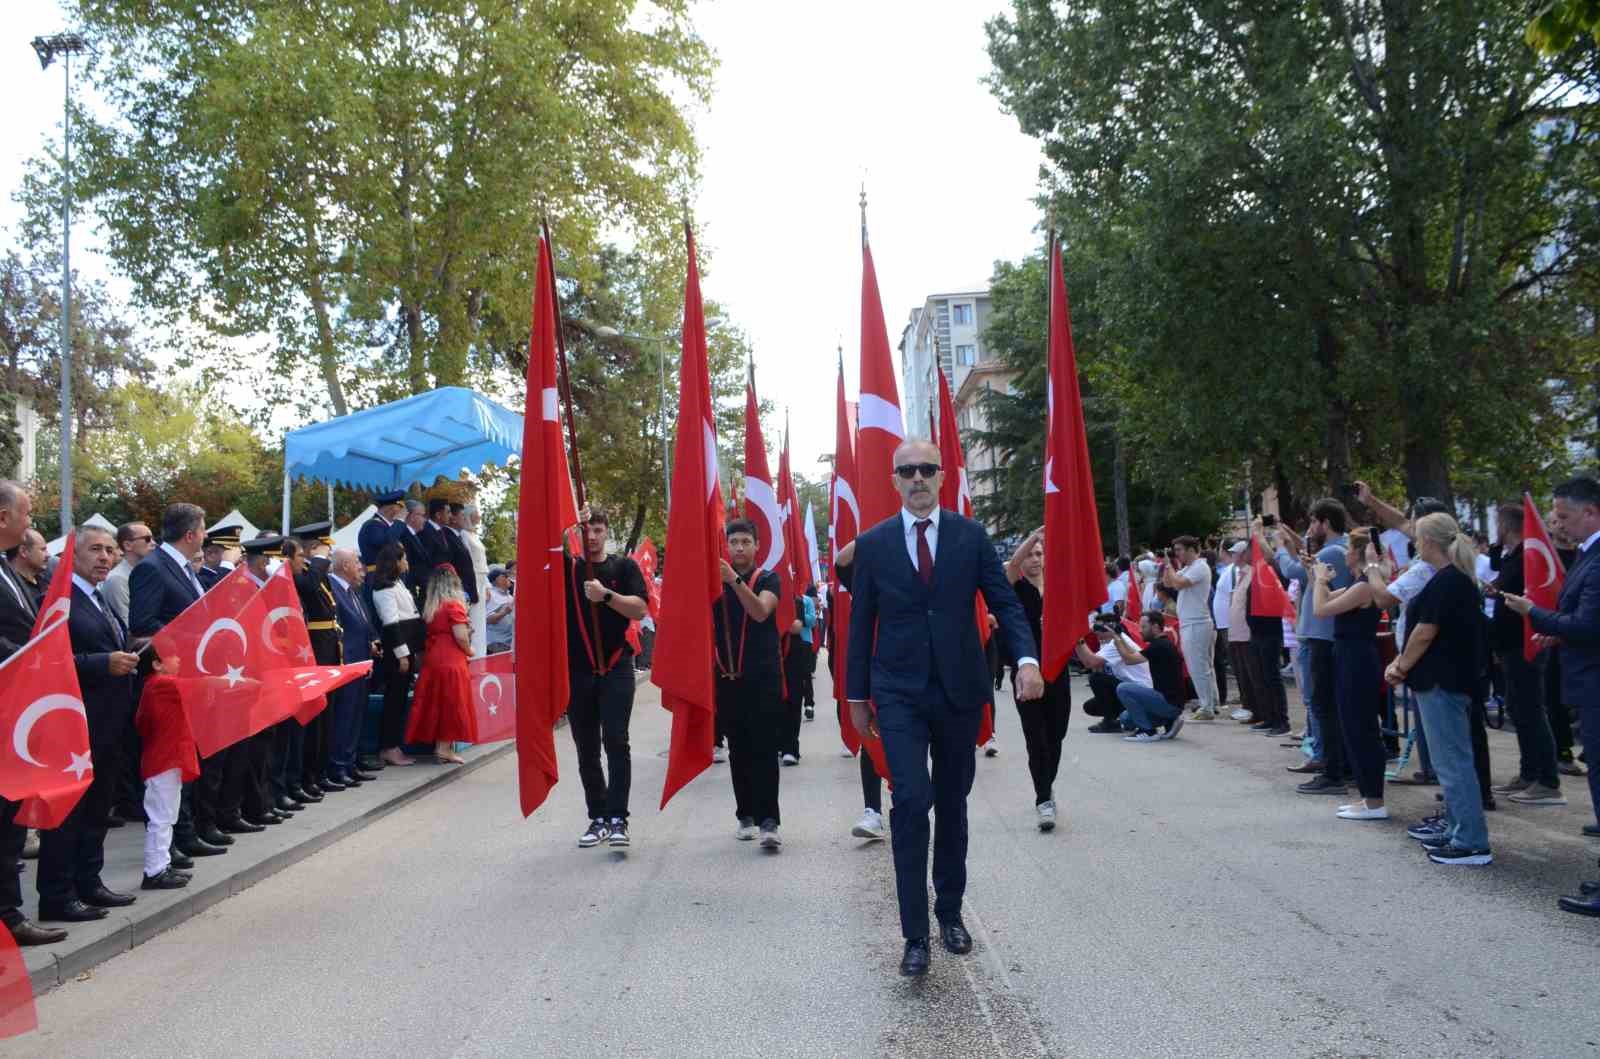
[348, 707]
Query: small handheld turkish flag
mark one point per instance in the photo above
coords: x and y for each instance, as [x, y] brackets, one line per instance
[1267, 596]
[494, 698]
[57, 602]
[44, 732]
[1542, 573]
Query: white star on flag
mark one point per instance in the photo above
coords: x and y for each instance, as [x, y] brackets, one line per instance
[234, 675]
[494, 708]
[80, 764]
[304, 653]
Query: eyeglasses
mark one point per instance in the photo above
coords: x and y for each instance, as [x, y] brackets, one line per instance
[148, 538]
[911, 470]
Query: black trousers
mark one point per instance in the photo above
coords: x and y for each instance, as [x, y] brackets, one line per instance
[1044, 726]
[598, 713]
[914, 732]
[1267, 646]
[794, 664]
[12, 837]
[72, 856]
[1559, 711]
[317, 746]
[396, 700]
[1104, 702]
[808, 670]
[1325, 705]
[1219, 665]
[1524, 695]
[750, 710]
[1244, 674]
[1357, 674]
[246, 790]
[288, 745]
[206, 793]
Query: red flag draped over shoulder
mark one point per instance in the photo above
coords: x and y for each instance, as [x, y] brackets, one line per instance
[1542, 573]
[545, 509]
[1267, 596]
[844, 519]
[692, 584]
[44, 731]
[1074, 572]
[956, 495]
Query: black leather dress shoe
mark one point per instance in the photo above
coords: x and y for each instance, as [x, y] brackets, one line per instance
[28, 932]
[373, 764]
[347, 780]
[364, 777]
[101, 897]
[1589, 889]
[328, 785]
[914, 964]
[955, 938]
[113, 820]
[181, 861]
[238, 825]
[196, 847]
[1592, 830]
[73, 911]
[285, 804]
[265, 820]
[167, 880]
[213, 835]
[1583, 906]
[311, 792]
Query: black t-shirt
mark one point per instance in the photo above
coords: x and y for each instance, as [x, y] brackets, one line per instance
[1033, 606]
[759, 639]
[1449, 601]
[1166, 669]
[1507, 632]
[621, 575]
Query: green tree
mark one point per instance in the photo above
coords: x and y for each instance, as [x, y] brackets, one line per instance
[1559, 24]
[1337, 238]
[361, 180]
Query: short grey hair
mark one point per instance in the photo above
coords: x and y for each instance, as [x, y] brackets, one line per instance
[413, 506]
[10, 493]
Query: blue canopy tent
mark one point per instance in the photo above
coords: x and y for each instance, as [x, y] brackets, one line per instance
[416, 439]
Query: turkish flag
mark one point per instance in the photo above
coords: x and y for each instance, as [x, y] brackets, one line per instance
[546, 510]
[1133, 610]
[808, 531]
[229, 678]
[1267, 596]
[881, 427]
[1542, 573]
[684, 648]
[57, 602]
[794, 540]
[494, 697]
[17, 1013]
[844, 516]
[762, 506]
[1074, 564]
[955, 495]
[44, 732]
[288, 644]
[645, 556]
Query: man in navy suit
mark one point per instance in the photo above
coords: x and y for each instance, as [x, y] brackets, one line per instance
[1576, 624]
[915, 659]
[72, 856]
[381, 528]
[159, 589]
[360, 633]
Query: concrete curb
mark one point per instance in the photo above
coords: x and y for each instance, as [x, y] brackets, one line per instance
[58, 967]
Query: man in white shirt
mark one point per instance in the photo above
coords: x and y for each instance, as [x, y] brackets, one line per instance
[1107, 669]
[1221, 597]
[135, 540]
[1116, 590]
[1192, 580]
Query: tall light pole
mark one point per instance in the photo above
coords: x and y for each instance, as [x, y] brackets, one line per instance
[65, 45]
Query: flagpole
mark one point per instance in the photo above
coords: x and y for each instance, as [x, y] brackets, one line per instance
[561, 365]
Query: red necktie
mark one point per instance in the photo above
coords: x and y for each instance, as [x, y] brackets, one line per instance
[924, 553]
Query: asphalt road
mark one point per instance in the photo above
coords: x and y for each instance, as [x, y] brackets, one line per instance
[1189, 905]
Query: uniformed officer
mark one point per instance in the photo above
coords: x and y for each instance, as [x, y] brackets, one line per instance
[749, 693]
[247, 801]
[213, 567]
[327, 647]
[384, 526]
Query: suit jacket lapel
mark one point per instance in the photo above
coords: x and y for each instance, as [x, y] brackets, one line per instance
[182, 574]
[18, 589]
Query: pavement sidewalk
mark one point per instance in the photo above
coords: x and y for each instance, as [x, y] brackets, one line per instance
[249, 860]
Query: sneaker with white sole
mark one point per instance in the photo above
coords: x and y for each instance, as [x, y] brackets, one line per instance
[719, 754]
[598, 832]
[1430, 830]
[1203, 715]
[769, 835]
[1539, 794]
[1141, 737]
[1047, 815]
[869, 827]
[747, 830]
[1241, 714]
[1455, 855]
[619, 834]
[1512, 787]
[992, 747]
[1173, 728]
[789, 759]
[1357, 812]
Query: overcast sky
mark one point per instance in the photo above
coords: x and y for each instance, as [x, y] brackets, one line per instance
[811, 99]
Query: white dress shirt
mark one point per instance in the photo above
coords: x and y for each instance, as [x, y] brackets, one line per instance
[183, 564]
[909, 521]
[89, 590]
[1589, 542]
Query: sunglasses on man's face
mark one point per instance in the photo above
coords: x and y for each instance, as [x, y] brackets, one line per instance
[146, 539]
[911, 470]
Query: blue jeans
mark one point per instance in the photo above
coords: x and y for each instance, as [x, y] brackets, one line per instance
[1146, 707]
[1302, 680]
[1449, 719]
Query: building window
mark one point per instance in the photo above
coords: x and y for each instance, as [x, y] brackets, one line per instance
[961, 313]
[966, 356]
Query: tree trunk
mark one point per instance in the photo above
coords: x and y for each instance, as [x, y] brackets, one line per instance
[416, 356]
[1119, 494]
[1336, 426]
[1427, 470]
[637, 529]
[327, 355]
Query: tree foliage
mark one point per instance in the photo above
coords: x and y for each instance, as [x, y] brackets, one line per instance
[1561, 24]
[1332, 238]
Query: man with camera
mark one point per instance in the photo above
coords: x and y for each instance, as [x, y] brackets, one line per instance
[1160, 705]
[1192, 581]
[1109, 669]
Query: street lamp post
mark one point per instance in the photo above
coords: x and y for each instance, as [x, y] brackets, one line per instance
[65, 45]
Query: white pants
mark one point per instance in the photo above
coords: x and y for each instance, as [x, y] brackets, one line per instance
[1199, 641]
[162, 793]
[478, 622]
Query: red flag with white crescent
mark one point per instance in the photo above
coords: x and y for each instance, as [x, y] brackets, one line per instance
[1074, 567]
[844, 515]
[57, 602]
[545, 511]
[764, 507]
[44, 731]
[955, 495]
[693, 583]
[494, 697]
[881, 427]
[1542, 573]
[645, 556]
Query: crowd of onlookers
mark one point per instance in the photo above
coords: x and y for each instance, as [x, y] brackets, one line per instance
[1408, 637]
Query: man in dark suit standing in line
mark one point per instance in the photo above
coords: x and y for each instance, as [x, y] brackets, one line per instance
[72, 856]
[1575, 623]
[327, 647]
[435, 543]
[917, 676]
[348, 704]
[17, 614]
[384, 526]
[416, 520]
[159, 589]
[459, 556]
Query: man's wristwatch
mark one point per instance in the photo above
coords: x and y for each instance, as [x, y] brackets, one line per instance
[607, 597]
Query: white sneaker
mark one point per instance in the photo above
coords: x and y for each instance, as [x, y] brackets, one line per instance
[718, 755]
[769, 836]
[1047, 815]
[747, 830]
[869, 827]
[1241, 714]
[992, 747]
[1142, 737]
[1203, 715]
[1357, 812]
[789, 759]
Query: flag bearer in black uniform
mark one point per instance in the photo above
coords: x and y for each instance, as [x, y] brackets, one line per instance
[327, 647]
[749, 684]
[604, 593]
